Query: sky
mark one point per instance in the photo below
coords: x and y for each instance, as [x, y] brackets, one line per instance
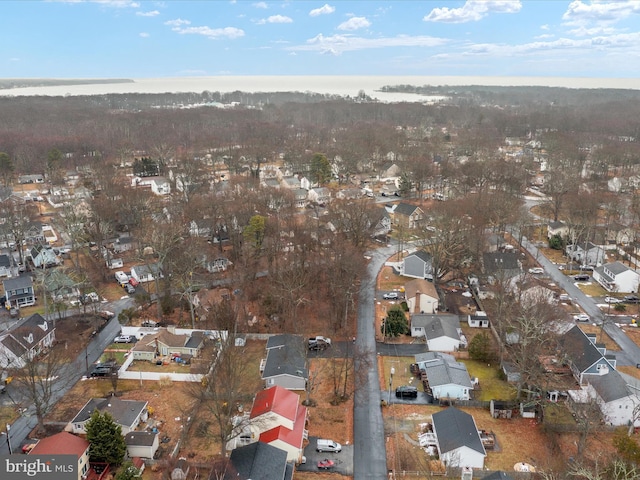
[176, 38]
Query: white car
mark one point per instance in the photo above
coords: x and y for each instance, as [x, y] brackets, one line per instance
[536, 270]
[390, 296]
[612, 300]
[583, 317]
[122, 277]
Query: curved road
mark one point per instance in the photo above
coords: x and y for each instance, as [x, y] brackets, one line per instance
[369, 454]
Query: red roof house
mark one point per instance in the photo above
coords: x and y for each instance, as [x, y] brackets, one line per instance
[280, 420]
[65, 443]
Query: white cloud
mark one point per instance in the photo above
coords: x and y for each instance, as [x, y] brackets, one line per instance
[354, 23]
[583, 31]
[178, 22]
[144, 35]
[261, 5]
[107, 3]
[226, 32]
[323, 10]
[544, 27]
[152, 13]
[279, 19]
[336, 44]
[472, 11]
[580, 12]
[544, 36]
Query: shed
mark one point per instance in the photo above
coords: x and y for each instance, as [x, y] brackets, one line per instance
[181, 470]
[501, 409]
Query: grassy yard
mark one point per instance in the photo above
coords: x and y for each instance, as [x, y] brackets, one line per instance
[558, 414]
[387, 280]
[492, 387]
[145, 366]
[402, 375]
[592, 289]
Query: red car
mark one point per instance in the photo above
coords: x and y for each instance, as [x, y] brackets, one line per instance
[325, 464]
[133, 282]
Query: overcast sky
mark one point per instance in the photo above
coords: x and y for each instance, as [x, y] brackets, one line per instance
[143, 39]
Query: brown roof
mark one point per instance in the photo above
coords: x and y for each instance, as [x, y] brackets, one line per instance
[60, 444]
[419, 285]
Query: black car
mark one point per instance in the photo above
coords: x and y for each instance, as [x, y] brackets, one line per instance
[581, 278]
[631, 299]
[407, 391]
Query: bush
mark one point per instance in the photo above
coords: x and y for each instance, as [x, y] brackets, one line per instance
[396, 323]
[556, 242]
[480, 348]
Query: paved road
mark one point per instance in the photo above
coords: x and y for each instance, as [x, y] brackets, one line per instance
[630, 352]
[21, 428]
[369, 453]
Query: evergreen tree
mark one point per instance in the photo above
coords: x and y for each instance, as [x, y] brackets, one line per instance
[396, 323]
[480, 348]
[105, 437]
[320, 169]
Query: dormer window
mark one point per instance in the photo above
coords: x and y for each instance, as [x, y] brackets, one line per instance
[29, 338]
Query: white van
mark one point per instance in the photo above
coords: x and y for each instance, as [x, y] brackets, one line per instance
[325, 445]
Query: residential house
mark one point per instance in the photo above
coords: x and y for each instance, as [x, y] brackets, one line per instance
[146, 273]
[166, 342]
[200, 227]
[141, 444]
[383, 226]
[501, 265]
[417, 265]
[319, 195]
[447, 379]
[421, 296]
[65, 443]
[271, 183]
[126, 413]
[7, 268]
[160, 186]
[296, 182]
[586, 253]
[26, 179]
[34, 233]
[442, 332]
[618, 234]
[459, 443]
[218, 264]
[617, 397]
[278, 419]
[478, 320]
[43, 257]
[300, 197]
[408, 216]
[258, 461]
[25, 340]
[19, 291]
[286, 362]
[59, 286]
[584, 356]
[558, 228]
[124, 244]
[422, 359]
[617, 277]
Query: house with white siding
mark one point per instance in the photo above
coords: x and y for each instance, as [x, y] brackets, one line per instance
[459, 443]
[617, 277]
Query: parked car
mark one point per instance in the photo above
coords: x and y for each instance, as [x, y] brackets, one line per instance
[391, 296]
[325, 445]
[631, 299]
[129, 288]
[124, 339]
[581, 278]
[325, 464]
[583, 317]
[133, 282]
[106, 314]
[612, 300]
[122, 277]
[536, 270]
[149, 323]
[319, 343]
[104, 369]
[407, 391]
[586, 268]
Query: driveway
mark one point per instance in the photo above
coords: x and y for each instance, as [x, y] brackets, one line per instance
[343, 461]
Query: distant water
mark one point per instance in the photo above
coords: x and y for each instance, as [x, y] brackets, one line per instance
[335, 85]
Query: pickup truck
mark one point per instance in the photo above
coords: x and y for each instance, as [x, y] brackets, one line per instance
[319, 343]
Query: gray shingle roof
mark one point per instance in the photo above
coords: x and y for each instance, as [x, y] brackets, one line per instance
[431, 356]
[610, 387]
[454, 429]
[286, 355]
[141, 439]
[582, 352]
[422, 255]
[500, 261]
[436, 326]
[405, 209]
[124, 412]
[257, 461]
[16, 283]
[440, 372]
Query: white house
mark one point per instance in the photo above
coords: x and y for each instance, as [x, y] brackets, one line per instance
[478, 320]
[557, 228]
[448, 379]
[586, 253]
[421, 296]
[617, 396]
[442, 332]
[25, 340]
[459, 443]
[616, 277]
[160, 186]
[146, 273]
[126, 413]
[319, 195]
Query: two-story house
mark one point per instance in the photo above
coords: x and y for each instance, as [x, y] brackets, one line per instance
[417, 265]
[26, 340]
[19, 292]
[407, 216]
[617, 277]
